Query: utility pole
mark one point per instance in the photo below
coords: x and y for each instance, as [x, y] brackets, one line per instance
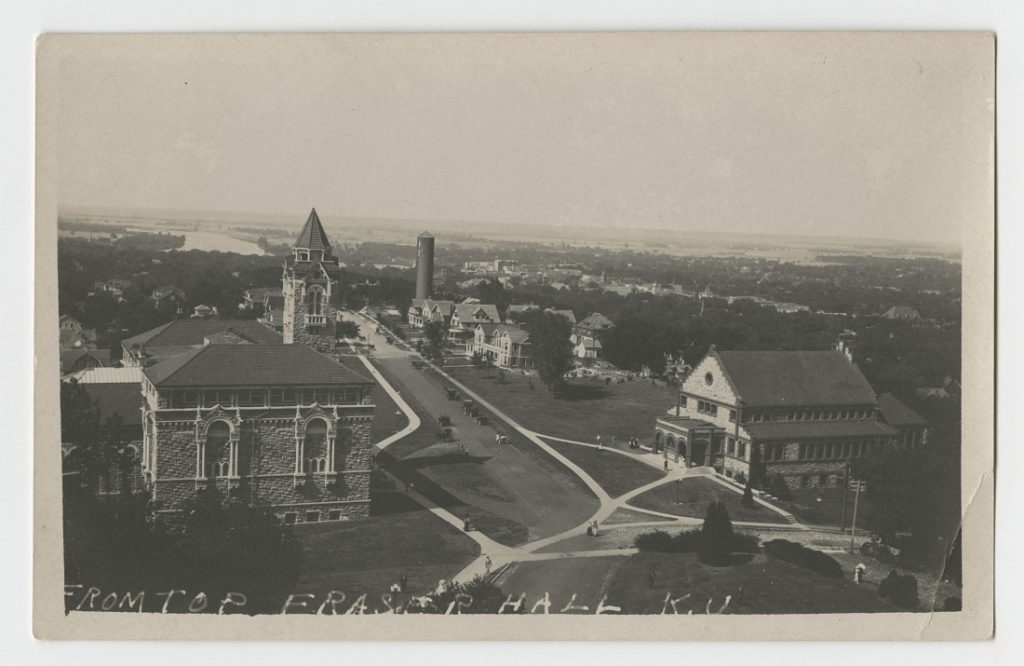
[853, 526]
[846, 494]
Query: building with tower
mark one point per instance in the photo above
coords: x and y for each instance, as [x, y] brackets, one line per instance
[310, 283]
[229, 407]
[424, 265]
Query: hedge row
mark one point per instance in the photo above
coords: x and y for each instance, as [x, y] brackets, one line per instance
[802, 556]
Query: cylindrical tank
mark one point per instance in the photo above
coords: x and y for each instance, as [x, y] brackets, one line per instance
[424, 265]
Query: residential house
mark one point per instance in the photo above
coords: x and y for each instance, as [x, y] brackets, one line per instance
[204, 312]
[514, 310]
[82, 358]
[586, 335]
[505, 346]
[901, 312]
[425, 310]
[464, 320]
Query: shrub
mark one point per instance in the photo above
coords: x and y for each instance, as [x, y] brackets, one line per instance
[716, 534]
[810, 559]
[899, 589]
[686, 542]
[693, 541]
[657, 541]
[779, 488]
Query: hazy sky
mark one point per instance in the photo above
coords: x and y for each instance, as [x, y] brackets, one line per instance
[855, 135]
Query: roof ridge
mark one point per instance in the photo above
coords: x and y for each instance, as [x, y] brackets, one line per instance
[337, 362]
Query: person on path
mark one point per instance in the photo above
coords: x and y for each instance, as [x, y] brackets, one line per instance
[858, 573]
[487, 563]
[666, 464]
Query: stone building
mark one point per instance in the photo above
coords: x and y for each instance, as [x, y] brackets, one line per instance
[310, 283]
[230, 406]
[284, 426]
[807, 413]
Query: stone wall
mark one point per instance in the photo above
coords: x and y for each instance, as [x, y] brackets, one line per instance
[266, 465]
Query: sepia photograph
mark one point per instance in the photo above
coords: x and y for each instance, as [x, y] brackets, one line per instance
[515, 325]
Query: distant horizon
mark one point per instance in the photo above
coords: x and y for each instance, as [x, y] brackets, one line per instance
[240, 217]
[879, 136]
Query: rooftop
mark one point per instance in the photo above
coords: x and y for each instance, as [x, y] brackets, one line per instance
[897, 414]
[313, 236]
[185, 333]
[795, 378]
[251, 365]
[795, 430]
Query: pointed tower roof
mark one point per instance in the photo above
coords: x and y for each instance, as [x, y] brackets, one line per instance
[313, 236]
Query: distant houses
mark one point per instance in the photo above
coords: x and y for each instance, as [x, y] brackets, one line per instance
[902, 313]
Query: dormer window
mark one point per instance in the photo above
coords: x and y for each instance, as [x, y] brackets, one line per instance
[302, 255]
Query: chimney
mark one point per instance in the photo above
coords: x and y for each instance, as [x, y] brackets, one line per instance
[846, 343]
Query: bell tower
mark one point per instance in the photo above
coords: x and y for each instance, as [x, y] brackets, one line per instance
[310, 283]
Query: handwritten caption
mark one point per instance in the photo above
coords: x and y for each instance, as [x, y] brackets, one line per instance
[338, 603]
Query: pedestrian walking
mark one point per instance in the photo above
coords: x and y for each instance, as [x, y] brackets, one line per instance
[666, 464]
[858, 573]
[487, 563]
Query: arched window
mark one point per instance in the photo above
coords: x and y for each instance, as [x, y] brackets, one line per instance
[218, 450]
[315, 301]
[315, 446]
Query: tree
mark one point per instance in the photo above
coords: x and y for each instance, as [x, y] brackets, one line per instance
[552, 351]
[346, 329]
[716, 535]
[433, 333]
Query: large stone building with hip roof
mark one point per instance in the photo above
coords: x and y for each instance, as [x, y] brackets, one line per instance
[808, 413]
[231, 407]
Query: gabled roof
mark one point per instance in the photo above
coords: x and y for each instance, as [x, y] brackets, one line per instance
[68, 357]
[251, 365]
[514, 333]
[468, 313]
[897, 414]
[795, 378]
[595, 321]
[313, 236]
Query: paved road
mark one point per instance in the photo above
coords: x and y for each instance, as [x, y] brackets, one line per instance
[550, 502]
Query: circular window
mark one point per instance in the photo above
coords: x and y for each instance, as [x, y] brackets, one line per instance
[709, 379]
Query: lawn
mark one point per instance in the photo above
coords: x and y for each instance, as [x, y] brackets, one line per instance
[400, 538]
[761, 585]
[613, 471]
[584, 410]
[695, 494]
[822, 506]
[560, 579]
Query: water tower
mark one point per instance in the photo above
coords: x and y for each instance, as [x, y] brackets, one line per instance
[424, 265]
